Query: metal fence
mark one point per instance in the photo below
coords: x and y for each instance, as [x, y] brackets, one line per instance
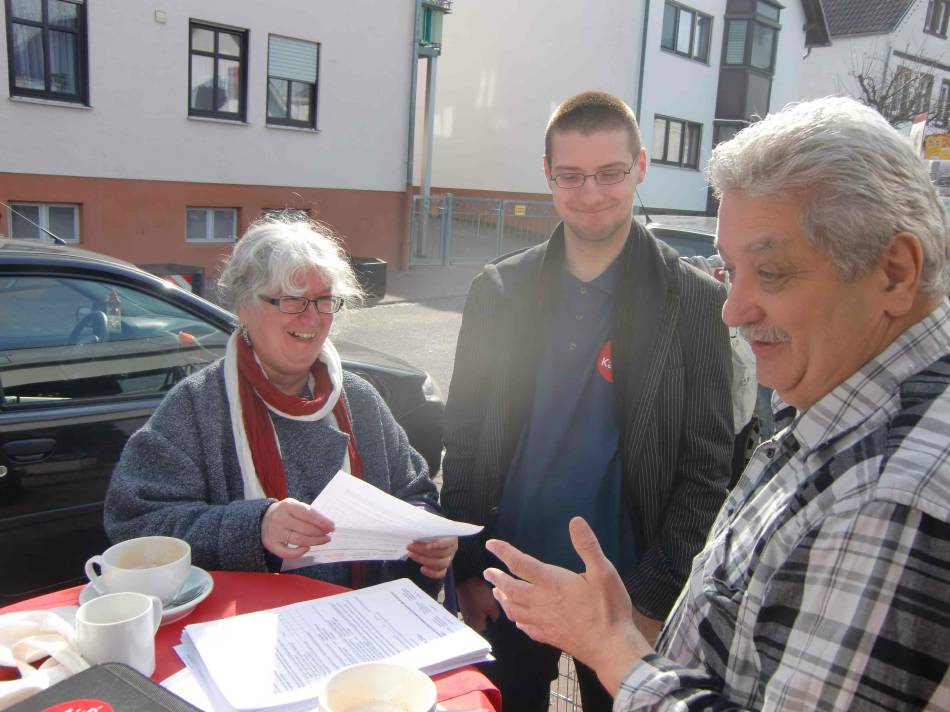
[455, 229]
[565, 694]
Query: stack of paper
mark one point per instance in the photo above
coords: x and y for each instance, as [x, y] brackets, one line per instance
[277, 659]
[372, 525]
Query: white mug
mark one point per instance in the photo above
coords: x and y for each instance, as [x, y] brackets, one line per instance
[378, 687]
[153, 565]
[119, 628]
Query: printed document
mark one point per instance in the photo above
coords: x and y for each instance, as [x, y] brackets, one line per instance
[276, 659]
[371, 525]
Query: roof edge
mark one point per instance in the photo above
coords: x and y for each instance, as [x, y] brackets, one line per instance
[817, 33]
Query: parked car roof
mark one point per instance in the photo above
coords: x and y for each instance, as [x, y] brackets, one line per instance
[688, 242]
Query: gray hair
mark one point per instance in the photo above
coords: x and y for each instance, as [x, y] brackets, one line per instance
[861, 178]
[271, 257]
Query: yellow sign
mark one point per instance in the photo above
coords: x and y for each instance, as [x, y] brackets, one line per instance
[520, 211]
[937, 147]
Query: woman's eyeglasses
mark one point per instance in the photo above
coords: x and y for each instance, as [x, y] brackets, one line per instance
[298, 305]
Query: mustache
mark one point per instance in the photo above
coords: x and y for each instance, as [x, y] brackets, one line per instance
[768, 334]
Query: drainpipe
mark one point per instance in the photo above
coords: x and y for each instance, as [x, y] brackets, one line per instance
[414, 78]
[643, 61]
[643, 58]
[431, 63]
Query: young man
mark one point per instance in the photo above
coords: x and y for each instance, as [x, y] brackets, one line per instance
[824, 583]
[592, 378]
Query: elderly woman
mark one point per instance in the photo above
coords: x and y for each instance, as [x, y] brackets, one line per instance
[235, 453]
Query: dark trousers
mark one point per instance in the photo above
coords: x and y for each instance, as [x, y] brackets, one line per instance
[523, 671]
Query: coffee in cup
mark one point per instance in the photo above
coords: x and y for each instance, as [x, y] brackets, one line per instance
[378, 687]
[119, 628]
[152, 565]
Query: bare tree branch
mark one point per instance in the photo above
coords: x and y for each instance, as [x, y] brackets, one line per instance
[899, 91]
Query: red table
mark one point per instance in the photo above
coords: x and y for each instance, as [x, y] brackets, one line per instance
[238, 592]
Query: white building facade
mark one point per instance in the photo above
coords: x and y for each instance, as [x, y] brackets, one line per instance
[157, 132]
[898, 49]
[692, 71]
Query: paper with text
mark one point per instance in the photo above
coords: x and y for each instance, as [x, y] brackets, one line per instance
[280, 656]
[371, 525]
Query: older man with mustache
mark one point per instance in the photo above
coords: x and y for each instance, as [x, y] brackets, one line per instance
[824, 581]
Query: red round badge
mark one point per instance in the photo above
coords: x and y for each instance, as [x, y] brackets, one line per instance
[80, 706]
[604, 364]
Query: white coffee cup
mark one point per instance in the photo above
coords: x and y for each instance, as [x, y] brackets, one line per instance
[119, 628]
[153, 565]
[378, 687]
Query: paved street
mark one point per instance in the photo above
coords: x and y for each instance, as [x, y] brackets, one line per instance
[418, 320]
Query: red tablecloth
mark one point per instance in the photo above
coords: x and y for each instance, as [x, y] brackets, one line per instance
[238, 592]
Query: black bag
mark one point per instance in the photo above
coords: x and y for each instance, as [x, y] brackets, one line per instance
[120, 687]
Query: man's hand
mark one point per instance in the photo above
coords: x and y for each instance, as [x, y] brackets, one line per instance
[649, 627]
[589, 616]
[290, 527]
[477, 603]
[434, 556]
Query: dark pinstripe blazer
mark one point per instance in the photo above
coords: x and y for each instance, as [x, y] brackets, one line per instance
[672, 369]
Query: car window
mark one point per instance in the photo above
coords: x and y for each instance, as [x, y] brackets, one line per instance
[689, 246]
[68, 339]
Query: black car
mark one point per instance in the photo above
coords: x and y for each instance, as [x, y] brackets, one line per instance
[89, 345]
[685, 241]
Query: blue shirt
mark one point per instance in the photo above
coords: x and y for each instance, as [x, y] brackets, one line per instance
[568, 460]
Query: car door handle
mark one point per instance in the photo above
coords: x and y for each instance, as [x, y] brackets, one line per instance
[26, 452]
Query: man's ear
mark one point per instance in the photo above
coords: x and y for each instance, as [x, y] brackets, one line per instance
[901, 266]
[546, 167]
[642, 165]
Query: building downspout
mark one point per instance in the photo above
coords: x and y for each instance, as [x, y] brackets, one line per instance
[643, 57]
[411, 139]
[414, 78]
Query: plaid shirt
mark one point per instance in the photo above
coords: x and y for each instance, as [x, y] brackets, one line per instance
[825, 581]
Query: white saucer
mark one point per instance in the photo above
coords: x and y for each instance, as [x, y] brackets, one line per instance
[196, 577]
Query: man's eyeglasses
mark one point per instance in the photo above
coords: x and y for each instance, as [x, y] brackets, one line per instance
[608, 176]
[298, 305]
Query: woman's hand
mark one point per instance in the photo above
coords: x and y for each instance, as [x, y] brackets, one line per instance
[434, 556]
[290, 527]
[477, 602]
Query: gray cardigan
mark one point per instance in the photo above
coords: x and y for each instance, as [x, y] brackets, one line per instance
[179, 474]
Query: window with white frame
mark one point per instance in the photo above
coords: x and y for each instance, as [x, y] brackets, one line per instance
[943, 104]
[938, 14]
[925, 88]
[910, 91]
[46, 49]
[35, 221]
[902, 91]
[686, 31]
[211, 224]
[292, 68]
[676, 142]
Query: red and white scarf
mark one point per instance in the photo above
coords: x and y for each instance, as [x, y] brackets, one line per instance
[251, 394]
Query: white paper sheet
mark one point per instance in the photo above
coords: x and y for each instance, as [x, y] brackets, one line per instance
[185, 684]
[372, 525]
[279, 657]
